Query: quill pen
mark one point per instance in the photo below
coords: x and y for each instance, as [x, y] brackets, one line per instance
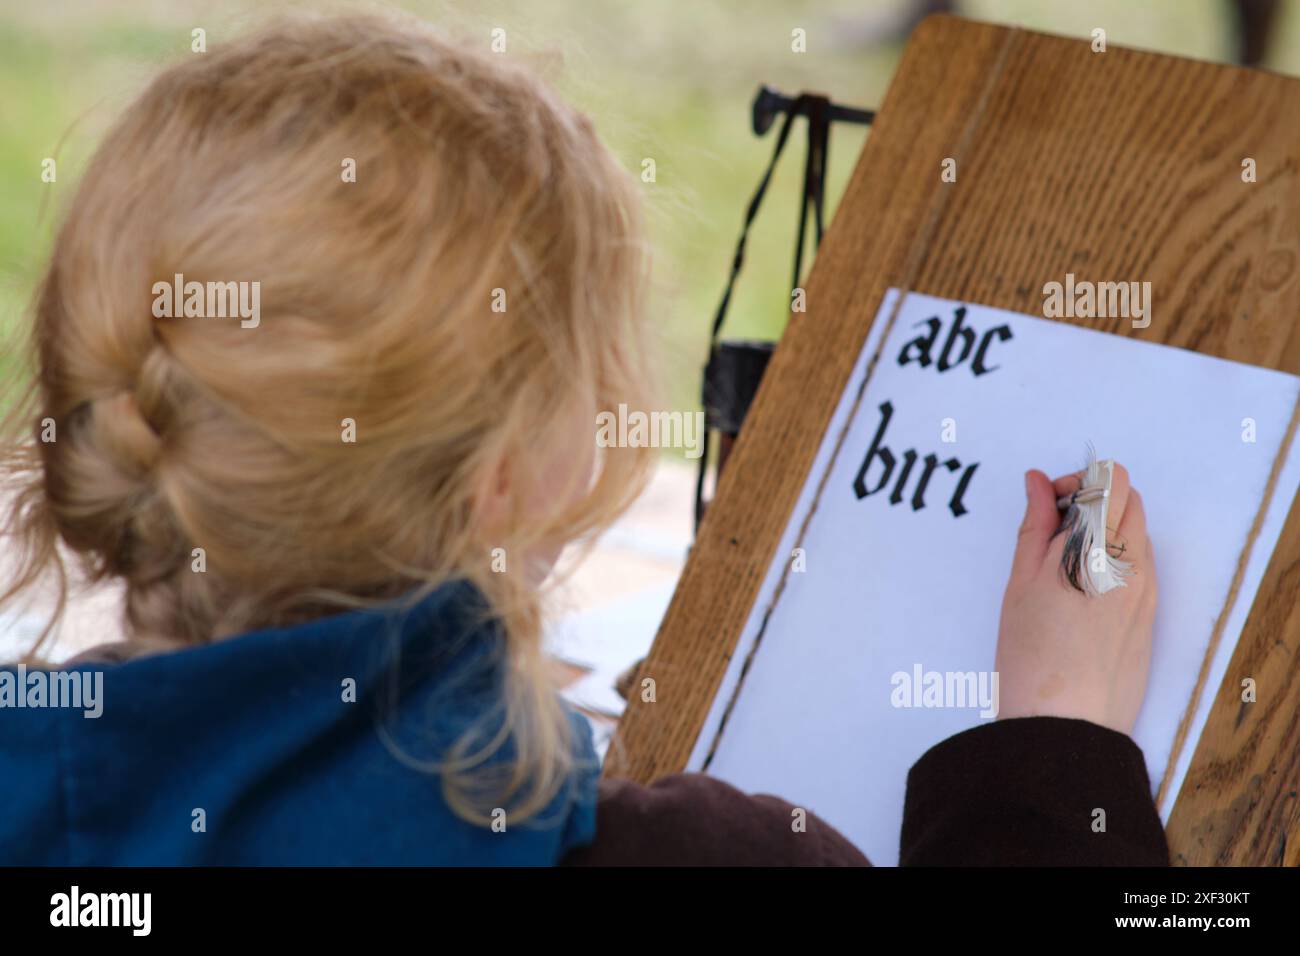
[1086, 563]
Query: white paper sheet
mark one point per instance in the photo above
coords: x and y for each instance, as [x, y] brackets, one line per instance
[887, 588]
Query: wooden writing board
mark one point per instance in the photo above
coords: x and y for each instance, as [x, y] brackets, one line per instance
[1120, 165]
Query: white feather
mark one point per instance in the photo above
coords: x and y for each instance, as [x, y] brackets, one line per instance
[1101, 572]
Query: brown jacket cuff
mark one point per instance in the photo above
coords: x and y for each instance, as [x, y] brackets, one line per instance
[689, 819]
[1032, 791]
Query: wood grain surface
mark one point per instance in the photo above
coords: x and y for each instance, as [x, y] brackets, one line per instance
[1114, 166]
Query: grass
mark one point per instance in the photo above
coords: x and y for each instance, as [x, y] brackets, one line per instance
[668, 80]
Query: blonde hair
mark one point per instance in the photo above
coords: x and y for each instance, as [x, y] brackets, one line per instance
[473, 182]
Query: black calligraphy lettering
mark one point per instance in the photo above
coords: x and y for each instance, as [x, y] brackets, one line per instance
[886, 456]
[958, 509]
[920, 349]
[923, 343]
[1003, 332]
[931, 462]
[967, 341]
[879, 450]
[909, 459]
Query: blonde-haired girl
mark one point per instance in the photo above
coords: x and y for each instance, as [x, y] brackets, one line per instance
[332, 518]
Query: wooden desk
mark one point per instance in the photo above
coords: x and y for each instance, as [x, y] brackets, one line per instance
[1114, 166]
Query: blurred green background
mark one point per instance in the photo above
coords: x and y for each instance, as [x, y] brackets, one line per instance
[666, 79]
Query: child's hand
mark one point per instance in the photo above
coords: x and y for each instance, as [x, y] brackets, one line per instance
[1060, 653]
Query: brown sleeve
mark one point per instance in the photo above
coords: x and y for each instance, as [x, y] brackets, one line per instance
[690, 819]
[1025, 792]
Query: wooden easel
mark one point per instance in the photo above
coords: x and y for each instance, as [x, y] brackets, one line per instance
[1118, 164]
